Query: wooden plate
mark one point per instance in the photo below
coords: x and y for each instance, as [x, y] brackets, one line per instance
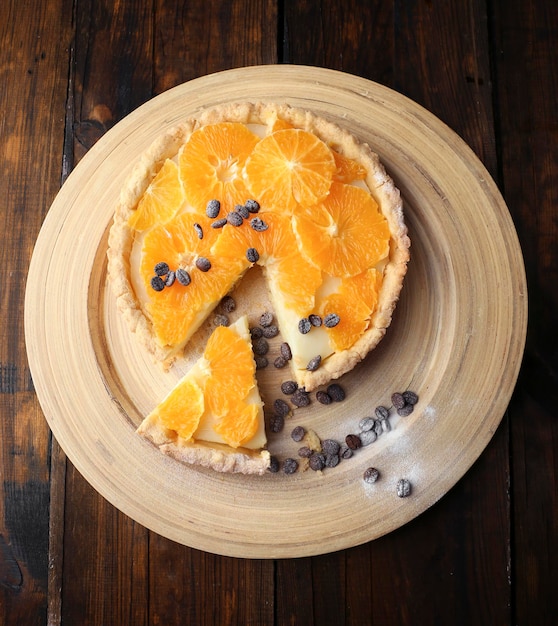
[457, 337]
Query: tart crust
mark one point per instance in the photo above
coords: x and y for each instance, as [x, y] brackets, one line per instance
[380, 185]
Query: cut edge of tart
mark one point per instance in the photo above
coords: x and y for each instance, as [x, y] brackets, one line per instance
[213, 416]
[278, 122]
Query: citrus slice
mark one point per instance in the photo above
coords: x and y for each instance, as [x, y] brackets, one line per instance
[161, 200]
[182, 409]
[212, 162]
[289, 167]
[353, 319]
[347, 170]
[229, 365]
[177, 310]
[345, 234]
[238, 429]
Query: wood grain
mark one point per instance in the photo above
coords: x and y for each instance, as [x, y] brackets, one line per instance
[451, 243]
[484, 552]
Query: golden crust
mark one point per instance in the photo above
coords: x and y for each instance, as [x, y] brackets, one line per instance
[214, 456]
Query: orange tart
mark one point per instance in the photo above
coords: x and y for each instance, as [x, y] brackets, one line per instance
[270, 186]
[214, 415]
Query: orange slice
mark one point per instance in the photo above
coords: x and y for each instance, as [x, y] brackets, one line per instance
[347, 170]
[178, 310]
[212, 162]
[230, 368]
[238, 429]
[345, 234]
[161, 200]
[287, 167]
[182, 409]
[353, 319]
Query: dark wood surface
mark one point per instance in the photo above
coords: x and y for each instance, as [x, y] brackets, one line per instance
[486, 552]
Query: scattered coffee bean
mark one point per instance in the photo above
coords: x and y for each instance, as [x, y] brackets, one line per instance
[398, 400]
[276, 423]
[330, 446]
[270, 331]
[261, 362]
[315, 320]
[221, 320]
[371, 475]
[353, 442]
[212, 209]
[199, 230]
[252, 255]
[161, 269]
[368, 437]
[280, 362]
[266, 319]
[234, 218]
[252, 205]
[281, 407]
[410, 397]
[336, 392]
[286, 351]
[298, 433]
[260, 346]
[219, 223]
[332, 460]
[289, 387]
[317, 461]
[169, 280]
[257, 224]
[366, 423]
[290, 466]
[242, 210]
[183, 277]
[314, 363]
[345, 452]
[331, 320]
[378, 428]
[381, 412]
[203, 264]
[304, 326]
[386, 426]
[300, 397]
[305, 452]
[274, 465]
[323, 397]
[157, 283]
[406, 410]
[256, 332]
[228, 304]
[403, 488]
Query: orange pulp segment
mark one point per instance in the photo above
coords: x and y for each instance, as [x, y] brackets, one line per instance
[230, 367]
[353, 319]
[238, 429]
[287, 167]
[345, 234]
[161, 200]
[347, 170]
[287, 269]
[212, 162]
[178, 310]
[182, 409]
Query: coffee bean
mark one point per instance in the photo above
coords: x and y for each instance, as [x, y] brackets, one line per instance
[298, 433]
[317, 461]
[371, 475]
[266, 319]
[314, 363]
[323, 397]
[281, 407]
[381, 412]
[398, 400]
[403, 488]
[336, 392]
[366, 423]
[410, 397]
[406, 410]
[290, 466]
[353, 442]
[330, 446]
[286, 351]
[368, 437]
[289, 387]
[273, 465]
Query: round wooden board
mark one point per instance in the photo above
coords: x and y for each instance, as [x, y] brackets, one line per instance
[456, 339]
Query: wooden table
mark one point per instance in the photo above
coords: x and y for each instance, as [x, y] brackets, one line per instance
[486, 552]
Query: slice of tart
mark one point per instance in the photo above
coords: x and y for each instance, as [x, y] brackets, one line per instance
[213, 417]
[269, 185]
